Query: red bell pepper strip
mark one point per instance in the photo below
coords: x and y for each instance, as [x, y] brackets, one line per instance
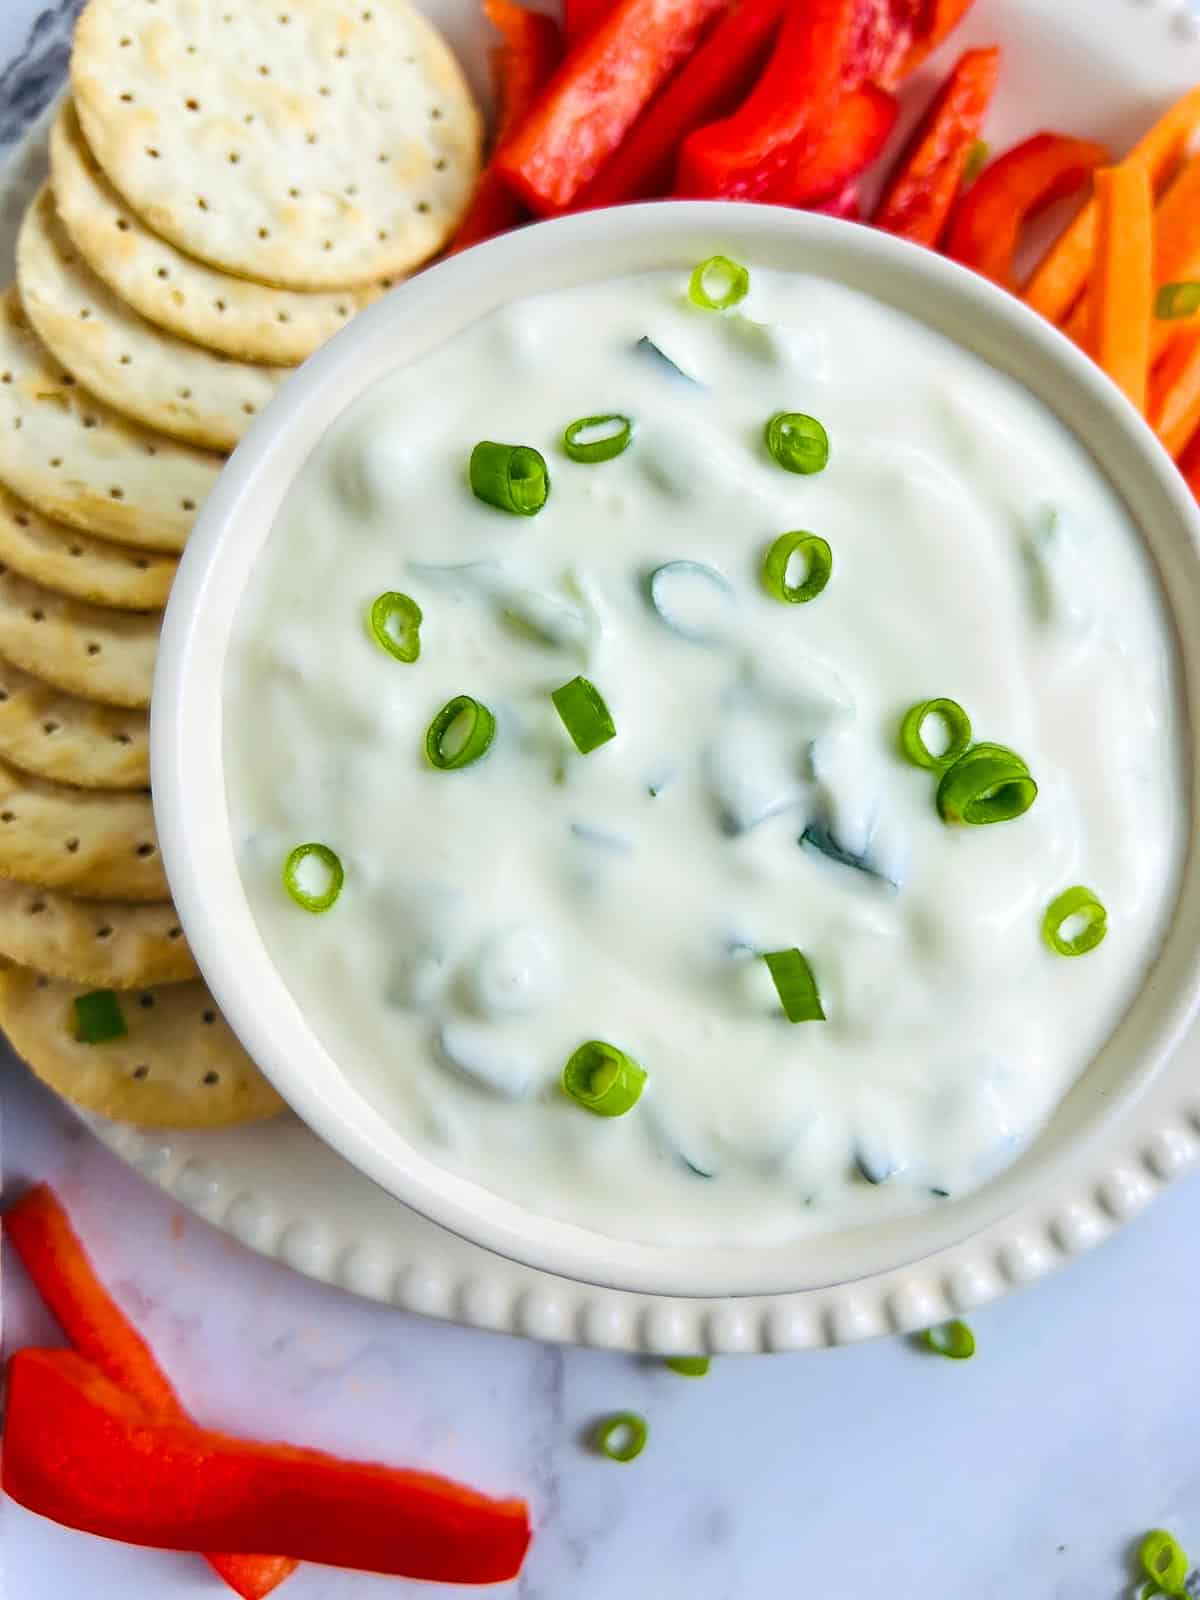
[919, 198]
[522, 65]
[83, 1452]
[716, 78]
[1019, 184]
[597, 95]
[1189, 465]
[42, 1235]
[581, 16]
[938, 22]
[827, 164]
[883, 35]
[845, 204]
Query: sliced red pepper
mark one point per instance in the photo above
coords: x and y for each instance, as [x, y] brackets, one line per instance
[828, 164]
[716, 78]
[581, 16]
[883, 35]
[1189, 465]
[1022, 182]
[846, 203]
[738, 157]
[597, 95]
[522, 65]
[81, 1451]
[42, 1235]
[921, 194]
[938, 21]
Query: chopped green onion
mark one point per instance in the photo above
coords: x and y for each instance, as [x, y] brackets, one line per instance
[585, 716]
[308, 899]
[990, 783]
[953, 1339]
[460, 734]
[977, 159]
[808, 547]
[511, 477]
[796, 986]
[623, 1437]
[1077, 902]
[718, 284]
[618, 437]
[688, 1366]
[692, 599]
[396, 625]
[799, 443]
[603, 1079]
[1176, 300]
[1164, 1562]
[912, 737]
[98, 1017]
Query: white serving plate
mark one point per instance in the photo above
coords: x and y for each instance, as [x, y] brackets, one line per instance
[1095, 67]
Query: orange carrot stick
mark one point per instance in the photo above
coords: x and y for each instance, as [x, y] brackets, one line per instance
[1176, 243]
[1121, 286]
[1173, 409]
[1062, 274]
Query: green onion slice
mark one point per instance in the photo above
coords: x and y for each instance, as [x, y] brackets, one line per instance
[396, 625]
[1077, 902]
[796, 986]
[809, 548]
[718, 284]
[799, 443]
[1164, 1562]
[990, 783]
[585, 716]
[511, 477]
[294, 871]
[977, 159]
[912, 734]
[1176, 300]
[603, 1079]
[688, 1366]
[622, 1437]
[460, 734]
[953, 1339]
[607, 437]
[98, 1017]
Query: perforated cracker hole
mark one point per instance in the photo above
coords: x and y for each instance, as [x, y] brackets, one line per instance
[188, 505]
[36, 907]
[128, 98]
[212, 1077]
[249, 407]
[104, 931]
[152, 152]
[208, 1018]
[201, 202]
[75, 550]
[184, 394]
[264, 233]
[37, 614]
[175, 933]
[162, 272]
[140, 1072]
[192, 105]
[8, 816]
[56, 461]
[233, 158]
[71, 846]
[146, 1001]
[122, 738]
[116, 493]
[90, 422]
[125, 360]
[124, 224]
[144, 850]
[50, 728]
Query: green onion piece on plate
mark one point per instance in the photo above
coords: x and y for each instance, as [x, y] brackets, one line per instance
[977, 159]
[795, 985]
[953, 719]
[585, 716]
[798, 443]
[817, 558]
[593, 439]
[329, 874]
[622, 1437]
[603, 1079]
[511, 477]
[688, 1366]
[1074, 903]
[98, 1017]
[1177, 300]
[953, 1339]
[1164, 1562]
[990, 783]
[460, 734]
[396, 625]
[718, 284]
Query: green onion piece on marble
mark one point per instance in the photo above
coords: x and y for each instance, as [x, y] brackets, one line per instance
[396, 625]
[989, 783]
[332, 877]
[1164, 1562]
[511, 477]
[718, 284]
[798, 442]
[460, 734]
[1177, 300]
[1077, 902]
[912, 734]
[688, 1366]
[585, 716]
[953, 1339]
[98, 1017]
[603, 1079]
[593, 439]
[621, 1437]
[795, 985]
[813, 552]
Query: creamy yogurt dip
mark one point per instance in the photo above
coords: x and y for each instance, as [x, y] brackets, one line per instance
[496, 916]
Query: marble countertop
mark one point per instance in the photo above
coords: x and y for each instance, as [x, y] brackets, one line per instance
[1027, 1472]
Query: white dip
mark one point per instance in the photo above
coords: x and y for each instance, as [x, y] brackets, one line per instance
[496, 917]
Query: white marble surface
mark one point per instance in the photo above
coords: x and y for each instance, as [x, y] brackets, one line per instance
[1026, 1473]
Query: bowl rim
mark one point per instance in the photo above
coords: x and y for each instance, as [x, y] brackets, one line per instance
[187, 717]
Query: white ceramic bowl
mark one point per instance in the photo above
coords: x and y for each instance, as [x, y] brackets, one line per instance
[186, 733]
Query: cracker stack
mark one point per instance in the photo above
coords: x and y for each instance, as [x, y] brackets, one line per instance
[231, 181]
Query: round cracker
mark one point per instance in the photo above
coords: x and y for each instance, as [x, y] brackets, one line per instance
[68, 740]
[91, 843]
[82, 463]
[179, 1066]
[86, 650]
[243, 319]
[163, 382]
[312, 144]
[107, 944]
[75, 564]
